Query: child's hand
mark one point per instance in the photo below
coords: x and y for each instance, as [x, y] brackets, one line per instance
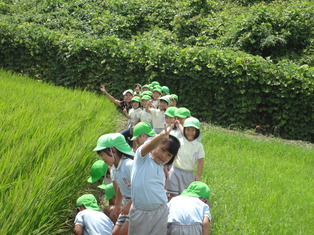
[197, 177]
[124, 110]
[165, 133]
[103, 88]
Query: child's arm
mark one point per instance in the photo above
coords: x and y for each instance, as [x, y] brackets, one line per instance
[114, 100]
[126, 208]
[126, 113]
[118, 201]
[148, 104]
[78, 229]
[178, 124]
[151, 145]
[206, 225]
[200, 165]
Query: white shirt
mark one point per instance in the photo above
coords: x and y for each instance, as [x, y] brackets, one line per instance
[158, 118]
[134, 115]
[94, 222]
[187, 210]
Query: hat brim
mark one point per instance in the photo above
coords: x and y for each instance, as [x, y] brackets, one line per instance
[191, 125]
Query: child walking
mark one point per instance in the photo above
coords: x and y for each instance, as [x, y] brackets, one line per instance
[194, 217]
[117, 153]
[191, 153]
[149, 211]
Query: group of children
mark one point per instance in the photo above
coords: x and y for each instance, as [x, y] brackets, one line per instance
[152, 166]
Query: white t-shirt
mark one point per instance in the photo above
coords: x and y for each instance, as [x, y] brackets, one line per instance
[147, 182]
[134, 115]
[158, 118]
[188, 154]
[187, 210]
[94, 222]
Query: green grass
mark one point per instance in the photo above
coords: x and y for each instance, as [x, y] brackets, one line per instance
[47, 136]
[258, 185]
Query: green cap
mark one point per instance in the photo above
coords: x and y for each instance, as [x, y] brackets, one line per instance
[174, 96]
[136, 99]
[147, 93]
[192, 122]
[89, 201]
[182, 113]
[98, 170]
[164, 98]
[147, 86]
[127, 91]
[166, 90]
[197, 189]
[155, 83]
[109, 190]
[170, 111]
[116, 140]
[142, 128]
[146, 97]
[158, 90]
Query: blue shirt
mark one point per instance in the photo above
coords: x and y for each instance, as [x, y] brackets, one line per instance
[147, 182]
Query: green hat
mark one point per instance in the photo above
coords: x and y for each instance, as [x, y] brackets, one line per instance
[158, 90]
[146, 97]
[89, 201]
[147, 93]
[164, 98]
[147, 86]
[197, 189]
[116, 140]
[109, 190]
[165, 89]
[182, 113]
[136, 99]
[155, 83]
[174, 96]
[192, 122]
[127, 91]
[170, 111]
[98, 170]
[142, 128]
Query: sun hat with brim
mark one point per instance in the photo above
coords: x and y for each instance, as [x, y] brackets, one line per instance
[89, 201]
[158, 90]
[136, 99]
[174, 96]
[192, 122]
[149, 93]
[155, 83]
[182, 113]
[197, 189]
[166, 90]
[98, 170]
[170, 111]
[146, 85]
[116, 140]
[109, 190]
[166, 99]
[146, 97]
[142, 128]
[127, 91]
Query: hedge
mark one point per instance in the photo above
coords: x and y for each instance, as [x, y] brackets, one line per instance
[225, 87]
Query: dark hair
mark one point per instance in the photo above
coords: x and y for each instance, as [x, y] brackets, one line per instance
[107, 150]
[140, 105]
[172, 145]
[197, 134]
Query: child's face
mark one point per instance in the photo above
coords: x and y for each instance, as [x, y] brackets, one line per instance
[161, 154]
[128, 97]
[173, 102]
[163, 105]
[155, 95]
[169, 120]
[135, 105]
[107, 158]
[141, 139]
[190, 133]
[137, 89]
[144, 102]
[181, 120]
[145, 89]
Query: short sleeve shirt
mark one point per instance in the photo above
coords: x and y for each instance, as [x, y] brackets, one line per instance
[158, 118]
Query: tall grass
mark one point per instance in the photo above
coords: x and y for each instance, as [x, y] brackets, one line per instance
[47, 136]
[259, 186]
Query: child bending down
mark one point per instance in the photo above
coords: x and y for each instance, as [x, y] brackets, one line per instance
[149, 211]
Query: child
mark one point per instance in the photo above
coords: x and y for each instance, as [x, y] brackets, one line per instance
[137, 89]
[145, 116]
[98, 171]
[146, 87]
[158, 115]
[110, 196]
[125, 103]
[117, 153]
[156, 96]
[133, 115]
[181, 114]
[89, 219]
[142, 132]
[194, 217]
[165, 91]
[169, 115]
[149, 211]
[181, 175]
[174, 100]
